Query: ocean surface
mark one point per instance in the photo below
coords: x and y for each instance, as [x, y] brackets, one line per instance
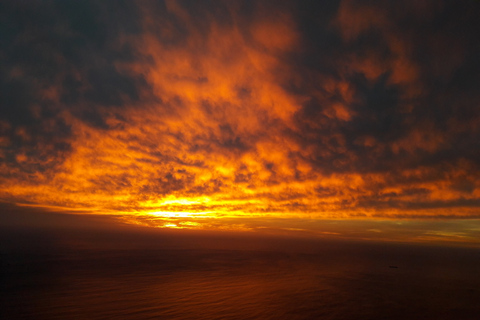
[75, 274]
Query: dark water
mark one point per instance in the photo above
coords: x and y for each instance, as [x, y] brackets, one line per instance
[84, 276]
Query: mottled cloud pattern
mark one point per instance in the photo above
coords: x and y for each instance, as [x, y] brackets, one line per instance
[242, 108]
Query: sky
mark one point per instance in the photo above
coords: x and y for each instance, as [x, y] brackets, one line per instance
[294, 115]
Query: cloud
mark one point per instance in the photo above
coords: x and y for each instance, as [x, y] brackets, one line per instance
[335, 110]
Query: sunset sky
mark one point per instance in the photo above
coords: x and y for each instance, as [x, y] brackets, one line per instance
[341, 118]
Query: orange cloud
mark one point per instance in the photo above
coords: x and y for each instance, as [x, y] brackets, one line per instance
[243, 111]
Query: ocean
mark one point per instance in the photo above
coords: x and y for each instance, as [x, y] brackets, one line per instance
[81, 274]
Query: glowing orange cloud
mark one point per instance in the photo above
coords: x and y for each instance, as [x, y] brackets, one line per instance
[228, 123]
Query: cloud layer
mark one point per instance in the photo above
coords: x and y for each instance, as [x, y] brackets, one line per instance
[335, 110]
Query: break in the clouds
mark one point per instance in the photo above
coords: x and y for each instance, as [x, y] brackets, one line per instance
[284, 108]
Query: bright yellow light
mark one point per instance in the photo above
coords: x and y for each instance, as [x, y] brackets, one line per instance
[166, 214]
[170, 225]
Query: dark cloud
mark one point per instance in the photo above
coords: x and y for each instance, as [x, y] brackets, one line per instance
[384, 110]
[58, 57]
